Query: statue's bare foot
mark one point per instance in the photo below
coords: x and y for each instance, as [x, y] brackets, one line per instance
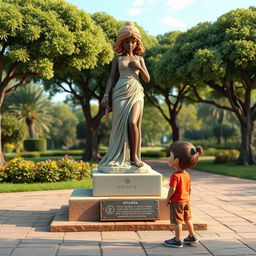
[137, 162]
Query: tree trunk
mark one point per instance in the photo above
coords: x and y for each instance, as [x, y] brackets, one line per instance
[31, 128]
[246, 153]
[92, 147]
[175, 129]
[2, 162]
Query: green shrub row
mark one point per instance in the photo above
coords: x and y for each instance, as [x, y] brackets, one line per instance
[37, 144]
[227, 156]
[19, 170]
[153, 153]
[9, 156]
[207, 144]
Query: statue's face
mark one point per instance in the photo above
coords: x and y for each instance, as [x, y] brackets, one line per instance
[129, 44]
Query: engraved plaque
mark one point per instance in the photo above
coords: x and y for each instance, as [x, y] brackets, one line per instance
[114, 210]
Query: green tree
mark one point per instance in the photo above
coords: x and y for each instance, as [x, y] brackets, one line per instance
[40, 37]
[63, 129]
[13, 131]
[103, 131]
[188, 119]
[219, 115]
[31, 105]
[90, 84]
[220, 58]
[169, 91]
[154, 125]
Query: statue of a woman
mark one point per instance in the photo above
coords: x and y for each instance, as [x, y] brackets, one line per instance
[124, 152]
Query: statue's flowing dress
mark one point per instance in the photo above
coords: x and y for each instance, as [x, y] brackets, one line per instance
[126, 93]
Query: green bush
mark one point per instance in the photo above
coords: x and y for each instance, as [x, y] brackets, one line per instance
[154, 153]
[35, 145]
[47, 171]
[206, 144]
[227, 156]
[19, 170]
[77, 152]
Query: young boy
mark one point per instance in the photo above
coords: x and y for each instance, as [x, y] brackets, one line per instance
[183, 155]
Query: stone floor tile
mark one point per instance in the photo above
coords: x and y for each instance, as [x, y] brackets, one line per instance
[250, 243]
[90, 249]
[154, 235]
[244, 229]
[9, 242]
[34, 251]
[5, 251]
[32, 240]
[221, 247]
[82, 236]
[154, 248]
[247, 235]
[32, 245]
[119, 235]
[111, 248]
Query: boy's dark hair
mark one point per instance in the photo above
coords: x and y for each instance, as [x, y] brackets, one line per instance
[187, 153]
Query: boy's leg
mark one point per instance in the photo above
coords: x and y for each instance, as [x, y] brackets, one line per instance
[191, 239]
[175, 219]
[190, 227]
[178, 231]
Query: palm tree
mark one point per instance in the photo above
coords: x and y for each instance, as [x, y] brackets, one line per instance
[30, 104]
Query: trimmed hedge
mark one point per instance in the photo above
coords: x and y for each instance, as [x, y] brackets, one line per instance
[35, 145]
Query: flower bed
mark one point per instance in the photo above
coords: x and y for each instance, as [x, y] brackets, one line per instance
[19, 170]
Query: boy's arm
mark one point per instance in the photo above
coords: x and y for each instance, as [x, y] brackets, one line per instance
[170, 194]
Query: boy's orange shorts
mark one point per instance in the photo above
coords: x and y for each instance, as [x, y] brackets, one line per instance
[180, 212]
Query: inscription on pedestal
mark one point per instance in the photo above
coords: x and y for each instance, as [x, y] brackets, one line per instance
[115, 210]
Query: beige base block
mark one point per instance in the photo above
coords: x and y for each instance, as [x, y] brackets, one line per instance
[62, 224]
[126, 184]
[85, 207]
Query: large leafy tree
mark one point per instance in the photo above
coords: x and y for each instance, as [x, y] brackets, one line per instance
[154, 126]
[170, 91]
[90, 84]
[221, 118]
[30, 104]
[220, 58]
[38, 37]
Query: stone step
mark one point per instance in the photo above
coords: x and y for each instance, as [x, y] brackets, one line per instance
[61, 224]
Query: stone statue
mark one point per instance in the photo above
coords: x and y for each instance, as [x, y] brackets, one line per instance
[124, 152]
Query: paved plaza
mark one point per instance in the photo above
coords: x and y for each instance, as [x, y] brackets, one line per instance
[226, 204]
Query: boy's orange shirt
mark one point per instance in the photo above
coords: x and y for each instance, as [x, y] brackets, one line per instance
[182, 182]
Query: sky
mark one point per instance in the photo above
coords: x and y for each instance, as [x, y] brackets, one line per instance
[161, 16]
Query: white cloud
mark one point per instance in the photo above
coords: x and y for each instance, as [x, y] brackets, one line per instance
[178, 4]
[172, 22]
[138, 2]
[135, 11]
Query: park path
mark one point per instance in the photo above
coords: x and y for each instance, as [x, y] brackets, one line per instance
[226, 204]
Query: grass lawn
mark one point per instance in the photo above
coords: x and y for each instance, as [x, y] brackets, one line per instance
[10, 187]
[229, 169]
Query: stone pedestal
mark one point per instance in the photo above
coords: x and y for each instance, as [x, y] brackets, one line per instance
[126, 184]
[83, 206]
